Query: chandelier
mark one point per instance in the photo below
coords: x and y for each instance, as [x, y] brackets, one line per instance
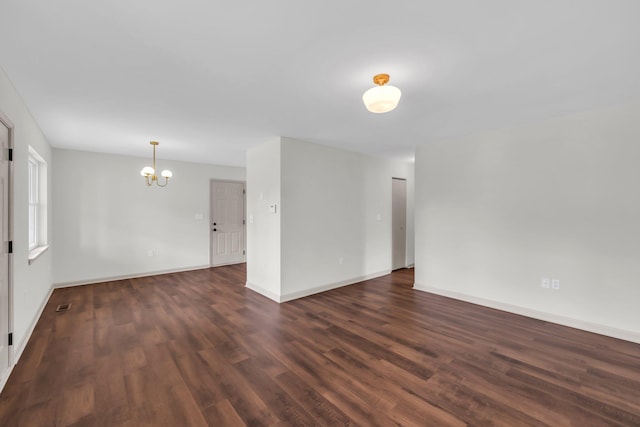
[149, 172]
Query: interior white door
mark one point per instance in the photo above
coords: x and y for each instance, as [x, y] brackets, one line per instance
[399, 223]
[4, 252]
[227, 222]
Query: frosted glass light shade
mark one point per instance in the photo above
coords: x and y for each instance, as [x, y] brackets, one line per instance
[147, 171]
[167, 173]
[381, 99]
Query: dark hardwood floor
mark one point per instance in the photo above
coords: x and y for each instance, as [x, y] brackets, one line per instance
[198, 349]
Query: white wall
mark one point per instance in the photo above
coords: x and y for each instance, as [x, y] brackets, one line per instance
[329, 205]
[263, 227]
[411, 194]
[31, 283]
[496, 212]
[106, 219]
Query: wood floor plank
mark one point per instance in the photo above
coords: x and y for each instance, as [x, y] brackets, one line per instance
[200, 349]
[223, 414]
[201, 383]
[238, 390]
[77, 403]
[316, 405]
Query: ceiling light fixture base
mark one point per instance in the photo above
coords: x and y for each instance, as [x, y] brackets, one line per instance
[381, 79]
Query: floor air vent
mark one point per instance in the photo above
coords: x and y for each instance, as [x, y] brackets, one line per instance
[64, 307]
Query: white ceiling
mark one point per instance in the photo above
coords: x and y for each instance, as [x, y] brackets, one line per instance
[210, 78]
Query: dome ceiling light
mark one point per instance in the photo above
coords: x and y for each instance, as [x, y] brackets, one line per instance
[382, 98]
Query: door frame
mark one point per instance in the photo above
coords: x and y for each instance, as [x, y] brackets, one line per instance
[244, 216]
[10, 291]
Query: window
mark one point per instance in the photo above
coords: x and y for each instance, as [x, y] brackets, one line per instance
[37, 169]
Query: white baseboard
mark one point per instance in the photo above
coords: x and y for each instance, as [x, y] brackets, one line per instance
[129, 276]
[535, 314]
[307, 292]
[264, 292]
[5, 378]
[229, 263]
[16, 352]
[23, 344]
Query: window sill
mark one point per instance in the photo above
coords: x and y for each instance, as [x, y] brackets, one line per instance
[36, 252]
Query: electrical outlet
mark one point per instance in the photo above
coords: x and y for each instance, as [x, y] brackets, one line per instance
[545, 283]
[340, 260]
[555, 284]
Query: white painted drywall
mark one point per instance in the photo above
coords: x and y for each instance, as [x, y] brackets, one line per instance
[106, 219]
[496, 212]
[31, 282]
[263, 226]
[411, 183]
[333, 223]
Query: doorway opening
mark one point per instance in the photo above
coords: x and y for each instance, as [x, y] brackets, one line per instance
[399, 223]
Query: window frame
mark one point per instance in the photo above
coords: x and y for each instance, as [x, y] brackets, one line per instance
[37, 202]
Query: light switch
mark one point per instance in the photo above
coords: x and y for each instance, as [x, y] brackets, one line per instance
[198, 217]
[250, 219]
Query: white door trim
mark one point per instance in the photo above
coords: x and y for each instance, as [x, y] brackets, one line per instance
[10, 291]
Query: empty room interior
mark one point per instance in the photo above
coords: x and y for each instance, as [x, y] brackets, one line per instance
[320, 213]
